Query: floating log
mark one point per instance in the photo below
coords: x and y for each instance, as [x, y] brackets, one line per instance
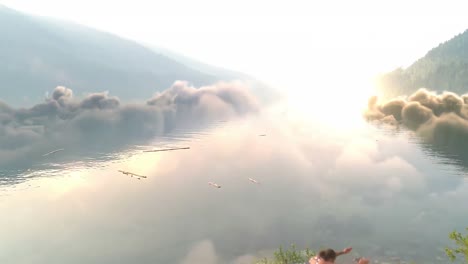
[167, 149]
[52, 152]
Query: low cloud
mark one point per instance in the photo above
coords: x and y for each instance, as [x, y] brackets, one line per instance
[101, 121]
[440, 119]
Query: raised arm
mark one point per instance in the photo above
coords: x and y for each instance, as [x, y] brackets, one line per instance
[344, 251]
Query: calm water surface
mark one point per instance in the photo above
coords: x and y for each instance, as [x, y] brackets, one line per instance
[379, 189]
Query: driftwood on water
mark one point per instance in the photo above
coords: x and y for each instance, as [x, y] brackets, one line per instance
[166, 149]
[52, 152]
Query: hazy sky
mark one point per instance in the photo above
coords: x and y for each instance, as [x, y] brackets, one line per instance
[275, 40]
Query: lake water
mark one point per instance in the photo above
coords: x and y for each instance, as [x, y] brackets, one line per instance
[378, 189]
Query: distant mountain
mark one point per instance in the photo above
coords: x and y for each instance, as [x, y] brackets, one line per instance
[444, 68]
[37, 54]
[263, 92]
[200, 66]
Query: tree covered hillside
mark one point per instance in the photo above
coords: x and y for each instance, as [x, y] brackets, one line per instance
[444, 68]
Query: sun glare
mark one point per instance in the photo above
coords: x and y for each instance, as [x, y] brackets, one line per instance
[339, 102]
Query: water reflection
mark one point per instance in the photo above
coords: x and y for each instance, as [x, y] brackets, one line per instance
[55, 163]
[372, 188]
[456, 158]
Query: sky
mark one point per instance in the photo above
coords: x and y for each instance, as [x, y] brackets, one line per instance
[219, 31]
[286, 43]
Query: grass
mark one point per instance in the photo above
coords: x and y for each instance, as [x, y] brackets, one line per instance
[288, 256]
[461, 249]
[292, 255]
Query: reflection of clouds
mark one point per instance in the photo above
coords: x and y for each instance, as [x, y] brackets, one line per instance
[441, 120]
[100, 121]
[315, 191]
[244, 259]
[296, 180]
[204, 252]
[328, 225]
[387, 177]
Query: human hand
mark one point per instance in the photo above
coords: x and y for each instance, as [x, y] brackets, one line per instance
[347, 250]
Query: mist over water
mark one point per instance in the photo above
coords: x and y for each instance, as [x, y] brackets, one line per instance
[376, 188]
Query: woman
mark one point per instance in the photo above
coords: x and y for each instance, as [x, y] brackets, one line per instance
[328, 256]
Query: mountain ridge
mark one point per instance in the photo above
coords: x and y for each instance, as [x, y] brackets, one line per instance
[40, 53]
[443, 68]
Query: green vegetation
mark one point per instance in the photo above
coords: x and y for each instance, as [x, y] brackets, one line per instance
[288, 256]
[293, 255]
[443, 68]
[461, 248]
